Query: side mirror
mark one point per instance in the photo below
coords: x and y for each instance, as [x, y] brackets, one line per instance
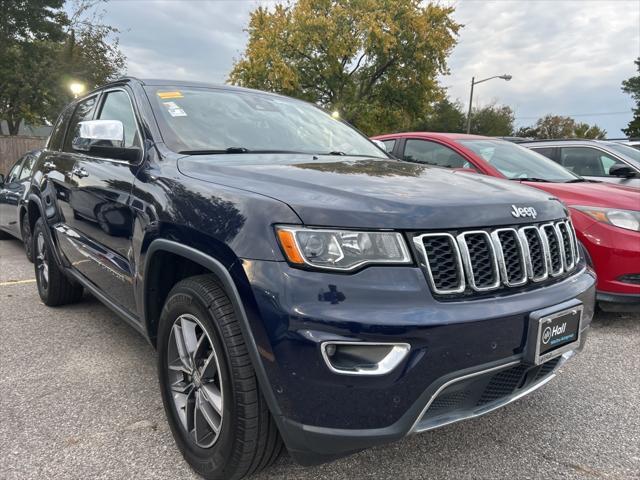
[103, 138]
[379, 144]
[622, 170]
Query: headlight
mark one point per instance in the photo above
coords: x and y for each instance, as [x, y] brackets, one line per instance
[627, 219]
[341, 249]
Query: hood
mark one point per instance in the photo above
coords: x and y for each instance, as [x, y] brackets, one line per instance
[598, 194]
[370, 193]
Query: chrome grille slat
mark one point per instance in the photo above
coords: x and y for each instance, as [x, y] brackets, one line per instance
[510, 255]
[489, 259]
[433, 249]
[555, 255]
[536, 255]
[479, 260]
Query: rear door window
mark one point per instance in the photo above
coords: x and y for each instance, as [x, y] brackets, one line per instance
[57, 134]
[431, 153]
[84, 111]
[27, 167]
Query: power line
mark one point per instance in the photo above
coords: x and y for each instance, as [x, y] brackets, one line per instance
[597, 114]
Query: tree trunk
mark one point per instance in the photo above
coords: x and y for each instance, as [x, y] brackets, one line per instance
[13, 125]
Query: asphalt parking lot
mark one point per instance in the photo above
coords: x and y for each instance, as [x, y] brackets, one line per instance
[79, 399]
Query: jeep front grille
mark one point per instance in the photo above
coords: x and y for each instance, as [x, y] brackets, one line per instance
[489, 259]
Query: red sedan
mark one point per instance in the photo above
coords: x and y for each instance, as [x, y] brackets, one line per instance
[606, 216]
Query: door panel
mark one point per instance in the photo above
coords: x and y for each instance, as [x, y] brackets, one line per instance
[102, 223]
[61, 184]
[102, 226]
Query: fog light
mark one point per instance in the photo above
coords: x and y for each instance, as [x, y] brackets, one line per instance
[363, 358]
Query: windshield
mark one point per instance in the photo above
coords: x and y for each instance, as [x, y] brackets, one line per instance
[625, 150]
[516, 162]
[210, 120]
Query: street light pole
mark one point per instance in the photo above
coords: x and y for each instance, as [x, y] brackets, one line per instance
[470, 103]
[473, 82]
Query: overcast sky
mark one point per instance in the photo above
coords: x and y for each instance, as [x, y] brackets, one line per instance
[566, 57]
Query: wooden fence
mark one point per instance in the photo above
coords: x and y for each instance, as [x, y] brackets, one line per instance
[13, 147]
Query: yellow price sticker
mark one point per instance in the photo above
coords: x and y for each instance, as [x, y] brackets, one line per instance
[165, 95]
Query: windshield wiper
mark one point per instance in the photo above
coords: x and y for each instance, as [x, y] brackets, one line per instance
[581, 180]
[530, 179]
[233, 150]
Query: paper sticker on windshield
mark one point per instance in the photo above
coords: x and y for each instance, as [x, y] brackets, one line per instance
[174, 110]
[165, 95]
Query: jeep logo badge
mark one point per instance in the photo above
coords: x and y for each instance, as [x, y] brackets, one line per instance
[523, 212]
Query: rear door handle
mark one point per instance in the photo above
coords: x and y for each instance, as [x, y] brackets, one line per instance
[79, 172]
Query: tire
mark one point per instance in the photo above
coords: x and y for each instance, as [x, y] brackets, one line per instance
[54, 287]
[4, 235]
[200, 316]
[26, 237]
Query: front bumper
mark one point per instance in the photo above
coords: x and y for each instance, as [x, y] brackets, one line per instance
[618, 302]
[614, 253]
[324, 415]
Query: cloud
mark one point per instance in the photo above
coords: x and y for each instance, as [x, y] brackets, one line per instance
[566, 57]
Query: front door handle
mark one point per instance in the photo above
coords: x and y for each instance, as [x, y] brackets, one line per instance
[49, 166]
[79, 172]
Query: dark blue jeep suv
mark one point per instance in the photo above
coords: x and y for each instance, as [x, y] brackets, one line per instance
[302, 288]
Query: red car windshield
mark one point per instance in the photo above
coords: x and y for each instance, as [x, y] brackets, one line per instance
[518, 163]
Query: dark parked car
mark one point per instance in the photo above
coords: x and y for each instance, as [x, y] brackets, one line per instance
[601, 160]
[13, 205]
[301, 287]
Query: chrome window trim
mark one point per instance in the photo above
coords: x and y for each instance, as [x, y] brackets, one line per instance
[543, 229]
[466, 260]
[545, 253]
[495, 236]
[419, 243]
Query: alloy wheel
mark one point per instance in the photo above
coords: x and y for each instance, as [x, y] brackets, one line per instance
[42, 263]
[194, 379]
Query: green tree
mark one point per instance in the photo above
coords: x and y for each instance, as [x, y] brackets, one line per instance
[584, 130]
[45, 51]
[492, 120]
[632, 87]
[375, 61]
[444, 116]
[558, 126]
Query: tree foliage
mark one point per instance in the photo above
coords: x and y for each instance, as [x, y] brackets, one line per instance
[492, 120]
[444, 116]
[42, 49]
[375, 61]
[558, 126]
[632, 87]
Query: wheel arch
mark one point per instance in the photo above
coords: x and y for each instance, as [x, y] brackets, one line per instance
[233, 281]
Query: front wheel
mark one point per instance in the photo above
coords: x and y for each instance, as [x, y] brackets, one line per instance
[217, 415]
